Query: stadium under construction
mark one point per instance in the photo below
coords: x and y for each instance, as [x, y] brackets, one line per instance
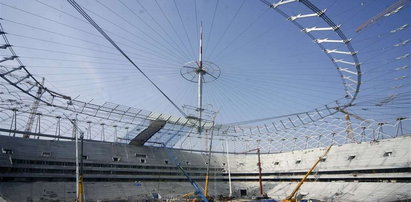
[270, 100]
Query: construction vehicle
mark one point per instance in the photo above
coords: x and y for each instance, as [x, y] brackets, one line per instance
[292, 196]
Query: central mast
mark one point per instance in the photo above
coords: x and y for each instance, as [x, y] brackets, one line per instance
[200, 72]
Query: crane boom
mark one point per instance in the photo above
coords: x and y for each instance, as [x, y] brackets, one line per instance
[291, 197]
[173, 158]
[344, 111]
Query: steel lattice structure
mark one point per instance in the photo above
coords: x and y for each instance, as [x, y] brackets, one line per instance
[111, 122]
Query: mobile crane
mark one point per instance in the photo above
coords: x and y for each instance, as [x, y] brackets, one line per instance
[292, 197]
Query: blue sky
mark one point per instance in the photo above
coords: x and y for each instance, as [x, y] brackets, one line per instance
[268, 66]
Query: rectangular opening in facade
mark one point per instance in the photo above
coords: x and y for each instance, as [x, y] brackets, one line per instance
[46, 154]
[6, 151]
[387, 154]
[116, 159]
[243, 192]
[141, 155]
[142, 160]
[156, 195]
[85, 157]
[298, 161]
[351, 157]
[166, 161]
[276, 163]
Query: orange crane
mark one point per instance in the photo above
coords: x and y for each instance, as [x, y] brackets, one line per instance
[292, 197]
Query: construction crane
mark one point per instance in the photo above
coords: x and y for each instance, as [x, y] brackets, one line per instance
[173, 158]
[394, 8]
[209, 163]
[259, 170]
[292, 197]
[80, 196]
[33, 110]
[349, 130]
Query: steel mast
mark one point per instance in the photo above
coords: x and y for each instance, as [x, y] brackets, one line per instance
[200, 71]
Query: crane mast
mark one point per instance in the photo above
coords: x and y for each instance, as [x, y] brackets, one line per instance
[260, 180]
[34, 109]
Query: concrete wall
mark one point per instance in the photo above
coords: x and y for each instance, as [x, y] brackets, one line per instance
[368, 155]
[333, 191]
[96, 152]
[98, 191]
